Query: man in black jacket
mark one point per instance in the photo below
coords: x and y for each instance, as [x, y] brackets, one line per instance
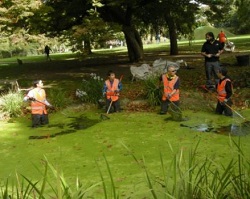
[211, 50]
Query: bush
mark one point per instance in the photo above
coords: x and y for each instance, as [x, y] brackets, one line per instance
[91, 89]
[58, 98]
[153, 90]
[11, 104]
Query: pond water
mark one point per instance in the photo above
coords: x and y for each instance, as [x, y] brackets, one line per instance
[77, 123]
[241, 129]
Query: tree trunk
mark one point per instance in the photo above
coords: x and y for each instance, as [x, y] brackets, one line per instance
[87, 47]
[172, 35]
[173, 42]
[123, 16]
[134, 44]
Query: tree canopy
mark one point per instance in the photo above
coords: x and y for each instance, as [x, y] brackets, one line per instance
[86, 23]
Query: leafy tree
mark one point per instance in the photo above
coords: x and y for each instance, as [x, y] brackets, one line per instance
[93, 30]
[242, 16]
[76, 20]
[15, 29]
[180, 17]
[15, 13]
[122, 12]
[93, 21]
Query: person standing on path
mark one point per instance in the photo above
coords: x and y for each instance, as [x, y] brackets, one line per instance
[211, 50]
[47, 50]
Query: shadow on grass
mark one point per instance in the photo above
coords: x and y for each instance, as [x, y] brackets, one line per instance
[78, 123]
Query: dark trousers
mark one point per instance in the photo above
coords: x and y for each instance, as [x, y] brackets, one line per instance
[39, 120]
[220, 108]
[222, 44]
[165, 104]
[211, 69]
[48, 57]
[115, 107]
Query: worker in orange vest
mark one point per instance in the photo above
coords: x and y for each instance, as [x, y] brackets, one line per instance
[111, 90]
[224, 93]
[171, 84]
[37, 97]
[222, 38]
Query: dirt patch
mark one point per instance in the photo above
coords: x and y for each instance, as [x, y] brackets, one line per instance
[74, 70]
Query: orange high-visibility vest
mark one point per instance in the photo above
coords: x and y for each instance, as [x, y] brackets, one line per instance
[110, 94]
[169, 87]
[38, 107]
[221, 90]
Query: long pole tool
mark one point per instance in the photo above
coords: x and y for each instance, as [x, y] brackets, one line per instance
[110, 106]
[105, 116]
[111, 98]
[204, 87]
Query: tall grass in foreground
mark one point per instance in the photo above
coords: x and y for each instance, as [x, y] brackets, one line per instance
[189, 178]
[47, 187]
[185, 177]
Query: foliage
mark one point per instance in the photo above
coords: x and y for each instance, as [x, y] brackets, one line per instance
[17, 38]
[189, 178]
[15, 14]
[90, 89]
[24, 188]
[114, 193]
[92, 23]
[153, 90]
[241, 17]
[59, 98]
[11, 104]
[94, 30]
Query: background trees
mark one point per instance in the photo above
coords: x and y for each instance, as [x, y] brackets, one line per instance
[16, 36]
[91, 23]
[240, 19]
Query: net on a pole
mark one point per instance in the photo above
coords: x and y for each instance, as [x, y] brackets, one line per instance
[175, 112]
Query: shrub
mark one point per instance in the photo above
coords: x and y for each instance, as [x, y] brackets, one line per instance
[11, 104]
[91, 89]
[153, 90]
[58, 98]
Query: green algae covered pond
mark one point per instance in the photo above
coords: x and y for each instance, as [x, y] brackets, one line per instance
[75, 141]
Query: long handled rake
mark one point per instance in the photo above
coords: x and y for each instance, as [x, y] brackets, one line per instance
[236, 112]
[103, 116]
[111, 98]
[109, 106]
[176, 112]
